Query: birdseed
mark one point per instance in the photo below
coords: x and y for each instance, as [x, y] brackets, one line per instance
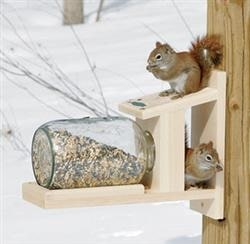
[80, 161]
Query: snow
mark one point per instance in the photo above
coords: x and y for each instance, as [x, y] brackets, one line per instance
[118, 46]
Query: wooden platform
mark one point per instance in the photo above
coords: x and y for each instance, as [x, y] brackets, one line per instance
[109, 195]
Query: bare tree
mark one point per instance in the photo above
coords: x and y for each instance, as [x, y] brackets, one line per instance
[99, 10]
[73, 12]
[62, 84]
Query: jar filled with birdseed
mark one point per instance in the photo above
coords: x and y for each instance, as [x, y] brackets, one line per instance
[91, 152]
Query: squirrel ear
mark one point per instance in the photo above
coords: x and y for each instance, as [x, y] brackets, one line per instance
[169, 49]
[201, 146]
[210, 144]
[158, 44]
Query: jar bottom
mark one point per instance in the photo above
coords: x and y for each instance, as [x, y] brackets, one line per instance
[42, 158]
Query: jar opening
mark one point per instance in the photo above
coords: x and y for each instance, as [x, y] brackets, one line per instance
[150, 151]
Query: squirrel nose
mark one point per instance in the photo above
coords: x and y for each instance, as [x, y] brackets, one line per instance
[219, 167]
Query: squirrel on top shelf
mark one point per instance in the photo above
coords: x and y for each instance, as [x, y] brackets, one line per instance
[186, 72]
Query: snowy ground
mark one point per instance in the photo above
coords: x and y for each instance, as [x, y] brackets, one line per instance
[118, 46]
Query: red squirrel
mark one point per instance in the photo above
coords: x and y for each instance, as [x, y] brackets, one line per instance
[186, 72]
[201, 164]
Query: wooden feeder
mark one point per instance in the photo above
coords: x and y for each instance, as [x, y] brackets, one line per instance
[165, 120]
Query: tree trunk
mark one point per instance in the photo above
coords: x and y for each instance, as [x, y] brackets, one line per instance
[73, 12]
[98, 15]
[231, 19]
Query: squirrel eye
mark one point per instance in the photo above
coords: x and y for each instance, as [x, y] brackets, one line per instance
[158, 57]
[208, 157]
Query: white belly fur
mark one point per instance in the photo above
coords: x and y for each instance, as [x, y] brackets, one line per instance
[179, 82]
[191, 179]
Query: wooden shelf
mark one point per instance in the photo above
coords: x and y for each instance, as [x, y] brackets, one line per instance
[110, 195]
[155, 104]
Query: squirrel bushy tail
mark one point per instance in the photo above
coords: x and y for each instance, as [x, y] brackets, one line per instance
[207, 51]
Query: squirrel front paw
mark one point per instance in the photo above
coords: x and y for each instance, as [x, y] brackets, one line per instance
[166, 93]
[189, 186]
[178, 95]
[203, 185]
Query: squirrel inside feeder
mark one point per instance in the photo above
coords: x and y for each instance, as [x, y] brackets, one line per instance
[186, 72]
[201, 165]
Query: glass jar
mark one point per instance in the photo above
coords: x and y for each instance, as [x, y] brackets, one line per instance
[90, 152]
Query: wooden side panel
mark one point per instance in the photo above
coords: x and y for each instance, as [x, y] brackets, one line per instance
[172, 150]
[168, 133]
[208, 124]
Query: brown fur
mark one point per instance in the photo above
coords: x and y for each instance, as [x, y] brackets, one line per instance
[214, 55]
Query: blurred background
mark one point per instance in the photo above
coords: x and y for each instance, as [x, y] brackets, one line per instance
[76, 58]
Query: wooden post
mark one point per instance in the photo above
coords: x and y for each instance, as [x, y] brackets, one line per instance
[231, 19]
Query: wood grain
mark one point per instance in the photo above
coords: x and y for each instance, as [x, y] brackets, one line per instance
[231, 19]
